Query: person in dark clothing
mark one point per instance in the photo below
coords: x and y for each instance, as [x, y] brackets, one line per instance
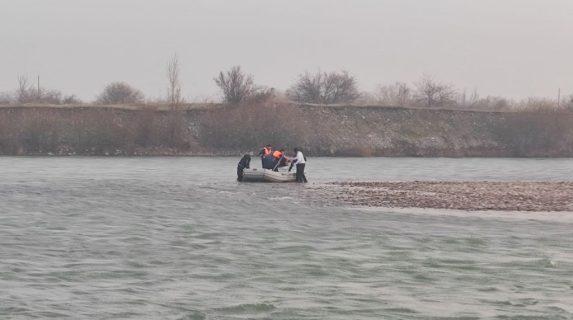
[245, 163]
[300, 161]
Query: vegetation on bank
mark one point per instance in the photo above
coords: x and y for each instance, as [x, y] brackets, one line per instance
[321, 130]
[91, 131]
[324, 112]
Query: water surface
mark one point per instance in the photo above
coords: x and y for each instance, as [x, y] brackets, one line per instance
[179, 238]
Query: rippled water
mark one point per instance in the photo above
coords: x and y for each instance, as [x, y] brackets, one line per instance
[178, 238]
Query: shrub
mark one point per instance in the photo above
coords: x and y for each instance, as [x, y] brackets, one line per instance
[324, 88]
[120, 93]
[235, 85]
[397, 94]
[430, 93]
[71, 99]
[537, 104]
[28, 93]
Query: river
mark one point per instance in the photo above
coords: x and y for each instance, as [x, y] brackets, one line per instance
[179, 238]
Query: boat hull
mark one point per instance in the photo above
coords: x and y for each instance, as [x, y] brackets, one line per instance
[266, 175]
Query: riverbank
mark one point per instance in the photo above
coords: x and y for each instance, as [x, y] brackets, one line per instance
[214, 129]
[469, 196]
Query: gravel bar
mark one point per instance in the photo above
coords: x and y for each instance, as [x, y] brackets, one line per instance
[472, 196]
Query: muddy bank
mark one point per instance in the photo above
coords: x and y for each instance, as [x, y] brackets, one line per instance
[472, 196]
[320, 130]
[419, 132]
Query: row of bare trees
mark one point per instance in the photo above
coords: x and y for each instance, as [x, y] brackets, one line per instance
[337, 88]
[28, 92]
[325, 88]
[428, 92]
[113, 93]
[237, 86]
[123, 93]
[425, 92]
[319, 88]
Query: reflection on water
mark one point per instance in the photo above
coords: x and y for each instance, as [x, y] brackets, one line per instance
[179, 238]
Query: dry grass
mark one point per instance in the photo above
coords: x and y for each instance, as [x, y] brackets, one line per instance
[89, 131]
[250, 126]
[320, 130]
[536, 132]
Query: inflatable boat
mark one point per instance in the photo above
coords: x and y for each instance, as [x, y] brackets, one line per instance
[267, 175]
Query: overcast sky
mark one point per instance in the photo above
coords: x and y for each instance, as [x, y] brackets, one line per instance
[514, 48]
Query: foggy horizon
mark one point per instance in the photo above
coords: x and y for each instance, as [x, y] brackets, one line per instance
[512, 48]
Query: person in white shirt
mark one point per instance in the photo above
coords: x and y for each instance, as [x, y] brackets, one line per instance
[300, 161]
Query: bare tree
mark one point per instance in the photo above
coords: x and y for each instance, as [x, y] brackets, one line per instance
[463, 100]
[176, 120]
[365, 99]
[235, 85]
[324, 88]
[27, 92]
[120, 93]
[434, 94]
[49, 96]
[174, 89]
[308, 88]
[397, 94]
[536, 104]
[23, 92]
[71, 99]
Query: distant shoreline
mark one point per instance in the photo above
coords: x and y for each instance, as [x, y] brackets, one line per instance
[330, 131]
[238, 155]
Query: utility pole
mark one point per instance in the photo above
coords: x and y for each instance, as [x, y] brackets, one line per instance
[38, 87]
[559, 98]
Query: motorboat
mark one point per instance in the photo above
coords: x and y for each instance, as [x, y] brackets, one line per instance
[267, 175]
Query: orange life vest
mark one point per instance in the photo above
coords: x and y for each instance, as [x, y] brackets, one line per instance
[277, 154]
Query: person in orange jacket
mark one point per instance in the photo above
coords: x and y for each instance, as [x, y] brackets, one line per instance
[280, 160]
